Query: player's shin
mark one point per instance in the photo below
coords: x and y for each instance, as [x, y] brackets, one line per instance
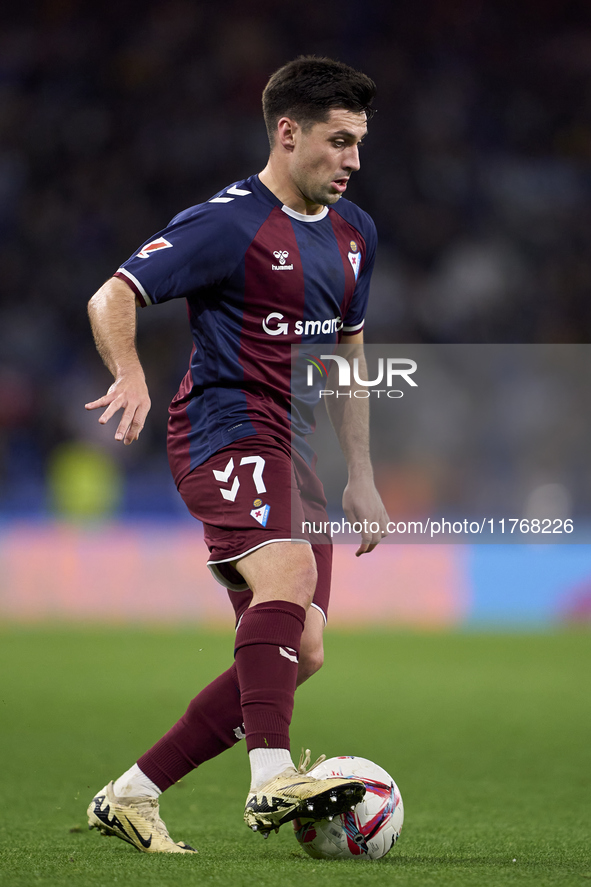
[211, 724]
[267, 649]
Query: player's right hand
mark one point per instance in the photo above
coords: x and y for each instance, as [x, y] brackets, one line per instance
[130, 394]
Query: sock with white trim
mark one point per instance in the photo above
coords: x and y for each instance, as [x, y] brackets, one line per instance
[135, 784]
[265, 763]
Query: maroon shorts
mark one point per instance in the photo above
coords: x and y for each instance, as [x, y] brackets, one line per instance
[253, 492]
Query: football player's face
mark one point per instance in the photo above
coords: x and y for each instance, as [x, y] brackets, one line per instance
[325, 155]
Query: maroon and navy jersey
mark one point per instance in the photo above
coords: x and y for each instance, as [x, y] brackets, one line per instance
[258, 278]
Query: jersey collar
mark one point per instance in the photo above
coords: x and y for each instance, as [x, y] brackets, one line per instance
[301, 217]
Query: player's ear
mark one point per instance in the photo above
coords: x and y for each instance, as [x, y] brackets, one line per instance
[286, 130]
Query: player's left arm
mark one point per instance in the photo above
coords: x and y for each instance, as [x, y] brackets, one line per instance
[350, 419]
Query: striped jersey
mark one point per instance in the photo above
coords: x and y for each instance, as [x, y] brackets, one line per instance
[258, 278]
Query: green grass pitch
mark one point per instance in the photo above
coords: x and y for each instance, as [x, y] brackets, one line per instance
[488, 737]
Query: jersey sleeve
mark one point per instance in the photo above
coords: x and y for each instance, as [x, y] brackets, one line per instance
[354, 319]
[198, 249]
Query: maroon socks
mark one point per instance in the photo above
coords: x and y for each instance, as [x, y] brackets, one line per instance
[257, 691]
[266, 651]
[211, 724]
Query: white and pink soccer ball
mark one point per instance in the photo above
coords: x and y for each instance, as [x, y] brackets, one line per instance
[368, 831]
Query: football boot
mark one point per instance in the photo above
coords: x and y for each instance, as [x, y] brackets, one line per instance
[297, 793]
[135, 820]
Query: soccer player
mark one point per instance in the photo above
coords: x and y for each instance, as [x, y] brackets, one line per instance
[275, 260]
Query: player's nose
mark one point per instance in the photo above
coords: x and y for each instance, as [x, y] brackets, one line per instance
[351, 158]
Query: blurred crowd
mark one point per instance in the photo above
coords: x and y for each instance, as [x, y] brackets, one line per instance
[114, 117]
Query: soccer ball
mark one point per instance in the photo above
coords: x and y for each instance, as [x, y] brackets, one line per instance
[368, 831]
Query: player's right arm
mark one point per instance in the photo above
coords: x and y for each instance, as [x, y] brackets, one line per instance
[112, 313]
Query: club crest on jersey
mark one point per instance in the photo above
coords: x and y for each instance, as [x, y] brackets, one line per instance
[281, 255]
[152, 247]
[354, 258]
[261, 514]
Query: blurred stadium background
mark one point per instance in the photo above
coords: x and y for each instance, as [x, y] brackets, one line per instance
[477, 172]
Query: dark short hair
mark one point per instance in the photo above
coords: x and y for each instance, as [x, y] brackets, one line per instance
[309, 87]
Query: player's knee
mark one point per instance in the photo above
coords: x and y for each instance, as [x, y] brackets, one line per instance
[309, 578]
[301, 576]
[310, 662]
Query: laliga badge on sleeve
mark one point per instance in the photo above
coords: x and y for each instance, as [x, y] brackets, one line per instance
[147, 250]
[261, 514]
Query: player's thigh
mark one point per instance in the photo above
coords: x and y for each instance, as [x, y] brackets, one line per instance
[280, 571]
[242, 599]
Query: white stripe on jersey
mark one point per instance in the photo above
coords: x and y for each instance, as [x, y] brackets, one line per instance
[135, 281]
[353, 329]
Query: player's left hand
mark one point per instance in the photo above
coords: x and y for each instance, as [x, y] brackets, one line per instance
[362, 504]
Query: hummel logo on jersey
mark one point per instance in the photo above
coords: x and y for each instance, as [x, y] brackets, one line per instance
[288, 653]
[154, 246]
[237, 192]
[281, 255]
